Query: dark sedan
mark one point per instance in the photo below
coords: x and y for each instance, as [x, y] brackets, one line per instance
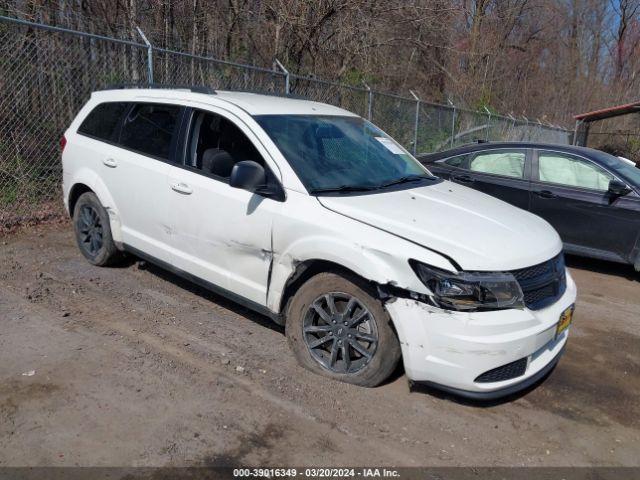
[590, 197]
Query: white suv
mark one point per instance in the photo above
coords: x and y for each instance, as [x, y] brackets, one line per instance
[311, 215]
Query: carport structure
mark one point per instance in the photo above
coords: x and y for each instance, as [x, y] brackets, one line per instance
[584, 120]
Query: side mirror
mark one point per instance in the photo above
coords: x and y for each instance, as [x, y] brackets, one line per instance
[617, 188]
[248, 175]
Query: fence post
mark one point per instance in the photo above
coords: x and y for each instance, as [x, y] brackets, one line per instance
[149, 56]
[417, 120]
[369, 100]
[453, 121]
[286, 76]
[486, 137]
[526, 128]
[539, 129]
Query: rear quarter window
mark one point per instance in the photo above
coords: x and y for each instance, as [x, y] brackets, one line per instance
[103, 120]
[457, 162]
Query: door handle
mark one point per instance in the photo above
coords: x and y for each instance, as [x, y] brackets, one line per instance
[182, 188]
[110, 162]
[463, 178]
[546, 194]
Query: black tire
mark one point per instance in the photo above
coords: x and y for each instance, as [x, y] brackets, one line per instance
[93, 232]
[307, 326]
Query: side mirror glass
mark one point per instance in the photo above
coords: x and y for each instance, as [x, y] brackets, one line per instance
[617, 188]
[247, 175]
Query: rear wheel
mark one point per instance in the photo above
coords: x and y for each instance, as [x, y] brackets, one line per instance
[93, 232]
[338, 329]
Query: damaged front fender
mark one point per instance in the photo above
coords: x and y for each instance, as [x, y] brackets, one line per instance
[371, 253]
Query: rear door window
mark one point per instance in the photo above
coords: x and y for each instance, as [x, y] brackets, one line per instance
[150, 128]
[505, 163]
[103, 121]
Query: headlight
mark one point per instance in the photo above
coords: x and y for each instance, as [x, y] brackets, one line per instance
[467, 291]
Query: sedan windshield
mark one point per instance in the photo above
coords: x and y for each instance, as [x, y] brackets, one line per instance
[341, 154]
[630, 172]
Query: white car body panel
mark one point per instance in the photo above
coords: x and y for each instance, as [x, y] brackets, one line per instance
[230, 246]
[504, 237]
[251, 246]
[304, 231]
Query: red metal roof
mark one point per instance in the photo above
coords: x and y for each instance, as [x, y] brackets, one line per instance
[609, 112]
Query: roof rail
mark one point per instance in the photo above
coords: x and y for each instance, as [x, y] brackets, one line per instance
[193, 88]
[293, 96]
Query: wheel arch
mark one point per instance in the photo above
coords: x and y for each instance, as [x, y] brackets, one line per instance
[74, 194]
[383, 270]
[307, 269]
[86, 180]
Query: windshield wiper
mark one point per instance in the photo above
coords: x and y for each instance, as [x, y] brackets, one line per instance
[368, 188]
[345, 188]
[406, 179]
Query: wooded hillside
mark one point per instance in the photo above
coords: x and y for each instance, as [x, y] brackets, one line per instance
[546, 59]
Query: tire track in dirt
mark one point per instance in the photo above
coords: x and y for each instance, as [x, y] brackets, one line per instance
[172, 342]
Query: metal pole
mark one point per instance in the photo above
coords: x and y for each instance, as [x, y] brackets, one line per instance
[526, 127]
[513, 124]
[453, 121]
[369, 100]
[486, 137]
[575, 132]
[539, 128]
[286, 76]
[417, 120]
[149, 55]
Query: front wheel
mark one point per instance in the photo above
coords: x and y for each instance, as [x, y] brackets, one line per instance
[336, 328]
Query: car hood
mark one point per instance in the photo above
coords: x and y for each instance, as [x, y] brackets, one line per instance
[477, 231]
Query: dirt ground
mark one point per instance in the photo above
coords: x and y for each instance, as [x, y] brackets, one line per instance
[131, 366]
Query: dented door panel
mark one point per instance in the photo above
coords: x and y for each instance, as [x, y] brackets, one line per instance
[222, 234]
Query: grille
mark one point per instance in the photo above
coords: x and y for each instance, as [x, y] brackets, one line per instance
[542, 284]
[533, 272]
[532, 297]
[505, 372]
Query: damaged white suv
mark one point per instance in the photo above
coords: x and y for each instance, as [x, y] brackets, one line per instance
[313, 216]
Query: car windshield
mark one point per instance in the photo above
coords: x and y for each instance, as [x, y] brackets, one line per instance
[341, 154]
[625, 169]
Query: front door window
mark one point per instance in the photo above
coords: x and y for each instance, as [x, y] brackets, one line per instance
[572, 172]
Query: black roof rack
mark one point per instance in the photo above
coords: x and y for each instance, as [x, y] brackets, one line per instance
[193, 88]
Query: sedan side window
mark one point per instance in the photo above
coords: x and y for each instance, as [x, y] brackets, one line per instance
[457, 162]
[572, 171]
[506, 163]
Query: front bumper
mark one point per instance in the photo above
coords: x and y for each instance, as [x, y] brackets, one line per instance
[450, 350]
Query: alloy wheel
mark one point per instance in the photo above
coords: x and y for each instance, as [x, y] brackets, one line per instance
[91, 230]
[340, 332]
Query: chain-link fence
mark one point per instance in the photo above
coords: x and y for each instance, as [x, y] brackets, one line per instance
[47, 73]
[176, 68]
